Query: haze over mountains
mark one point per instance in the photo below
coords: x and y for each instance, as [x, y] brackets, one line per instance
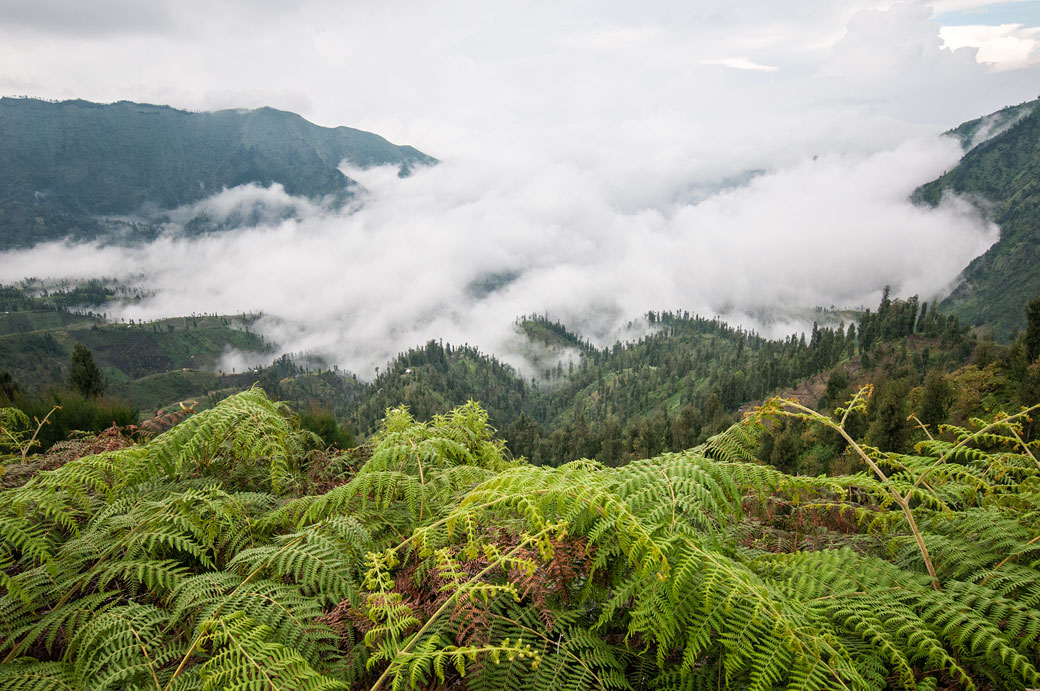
[1000, 172]
[81, 170]
[444, 254]
[282, 402]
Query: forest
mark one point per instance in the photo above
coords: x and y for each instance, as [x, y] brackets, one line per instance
[882, 535]
[690, 378]
[853, 508]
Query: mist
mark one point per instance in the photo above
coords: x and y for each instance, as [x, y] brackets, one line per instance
[597, 162]
[457, 251]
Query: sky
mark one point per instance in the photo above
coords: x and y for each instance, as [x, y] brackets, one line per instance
[598, 159]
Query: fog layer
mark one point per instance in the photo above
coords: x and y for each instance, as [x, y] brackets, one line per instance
[598, 159]
[457, 251]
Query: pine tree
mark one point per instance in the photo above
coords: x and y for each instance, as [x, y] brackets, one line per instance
[1033, 329]
[887, 412]
[935, 399]
[84, 375]
[9, 388]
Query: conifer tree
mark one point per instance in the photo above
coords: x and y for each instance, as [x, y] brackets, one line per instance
[8, 386]
[1033, 329]
[887, 412]
[935, 400]
[84, 375]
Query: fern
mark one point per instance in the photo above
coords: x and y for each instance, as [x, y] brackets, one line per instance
[31, 675]
[241, 656]
[441, 563]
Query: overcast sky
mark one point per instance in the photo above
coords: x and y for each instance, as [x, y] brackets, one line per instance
[599, 152]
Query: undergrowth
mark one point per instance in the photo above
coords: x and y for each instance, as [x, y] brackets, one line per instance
[206, 558]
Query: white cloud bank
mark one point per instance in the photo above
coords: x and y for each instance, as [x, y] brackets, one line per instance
[593, 162]
[363, 286]
[1006, 46]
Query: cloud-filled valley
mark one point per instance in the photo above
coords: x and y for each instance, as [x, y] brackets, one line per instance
[458, 250]
[596, 163]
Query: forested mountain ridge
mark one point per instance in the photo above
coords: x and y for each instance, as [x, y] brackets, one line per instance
[666, 391]
[1002, 175]
[67, 167]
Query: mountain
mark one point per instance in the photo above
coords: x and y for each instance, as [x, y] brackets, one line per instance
[79, 169]
[1001, 173]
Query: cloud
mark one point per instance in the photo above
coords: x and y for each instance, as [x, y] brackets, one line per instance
[361, 287]
[741, 64]
[594, 166]
[95, 18]
[241, 206]
[1006, 46]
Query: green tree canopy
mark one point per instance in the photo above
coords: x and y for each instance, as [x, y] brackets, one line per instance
[84, 375]
[1033, 329]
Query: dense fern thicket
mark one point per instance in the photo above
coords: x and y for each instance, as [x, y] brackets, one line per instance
[222, 554]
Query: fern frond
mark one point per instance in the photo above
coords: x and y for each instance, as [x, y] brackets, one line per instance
[124, 646]
[736, 444]
[324, 559]
[241, 657]
[30, 675]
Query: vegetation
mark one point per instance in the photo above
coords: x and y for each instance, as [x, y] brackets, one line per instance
[667, 391]
[1001, 174]
[70, 413]
[629, 532]
[84, 375]
[205, 558]
[152, 364]
[72, 166]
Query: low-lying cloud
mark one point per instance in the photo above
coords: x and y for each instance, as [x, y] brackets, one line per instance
[457, 251]
[598, 160]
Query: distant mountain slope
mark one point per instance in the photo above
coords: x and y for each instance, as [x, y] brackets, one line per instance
[1002, 173]
[63, 165]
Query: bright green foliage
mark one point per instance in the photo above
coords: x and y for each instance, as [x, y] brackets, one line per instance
[15, 430]
[439, 563]
[243, 657]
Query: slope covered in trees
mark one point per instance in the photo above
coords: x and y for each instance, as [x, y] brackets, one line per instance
[69, 164]
[152, 363]
[666, 391]
[1001, 174]
[222, 554]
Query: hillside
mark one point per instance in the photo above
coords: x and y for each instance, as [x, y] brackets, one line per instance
[150, 364]
[78, 169]
[666, 391]
[1002, 175]
[669, 390]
